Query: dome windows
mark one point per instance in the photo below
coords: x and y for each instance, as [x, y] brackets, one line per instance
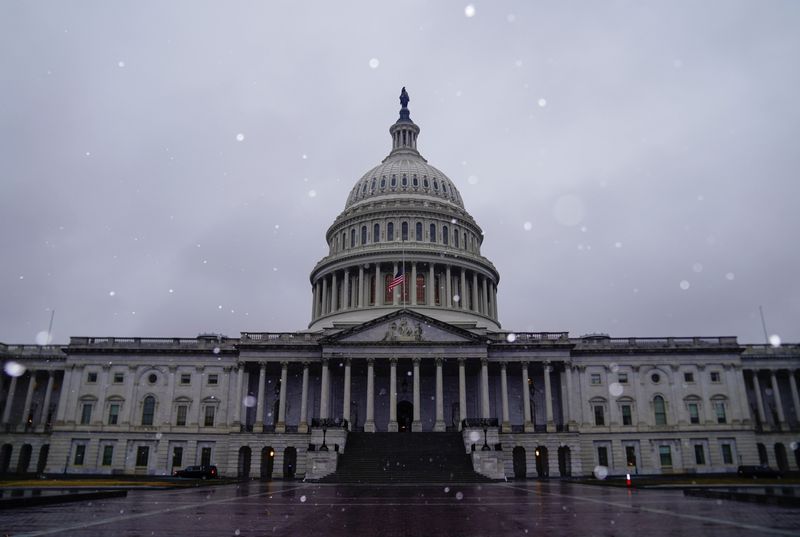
[352, 238]
[376, 233]
[425, 182]
[390, 231]
[432, 234]
[419, 231]
[435, 185]
[415, 181]
[445, 236]
[363, 235]
[394, 181]
[444, 187]
[383, 183]
[455, 237]
[372, 188]
[404, 181]
[404, 231]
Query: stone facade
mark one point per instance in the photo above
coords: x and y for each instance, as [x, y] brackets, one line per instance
[426, 355]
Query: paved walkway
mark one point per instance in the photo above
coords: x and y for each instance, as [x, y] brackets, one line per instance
[299, 509]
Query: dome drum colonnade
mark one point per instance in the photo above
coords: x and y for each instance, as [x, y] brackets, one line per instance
[404, 215]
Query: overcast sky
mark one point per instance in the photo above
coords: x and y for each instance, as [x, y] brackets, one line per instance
[170, 168]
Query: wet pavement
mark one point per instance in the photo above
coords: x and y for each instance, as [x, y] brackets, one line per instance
[299, 509]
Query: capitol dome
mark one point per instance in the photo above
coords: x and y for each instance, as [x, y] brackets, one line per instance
[404, 240]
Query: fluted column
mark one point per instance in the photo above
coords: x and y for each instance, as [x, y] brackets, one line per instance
[64, 393]
[462, 295]
[48, 394]
[324, 392]
[485, 389]
[485, 299]
[238, 400]
[280, 426]
[494, 301]
[504, 393]
[416, 425]
[325, 302]
[778, 402]
[569, 419]
[262, 375]
[334, 292]
[548, 398]
[28, 398]
[475, 305]
[369, 424]
[413, 284]
[393, 395]
[439, 425]
[431, 286]
[462, 393]
[759, 401]
[345, 291]
[361, 286]
[303, 426]
[795, 398]
[346, 396]
[448, 287]
[526, 399]
[12, 387]
[378, 286]
[314, 301]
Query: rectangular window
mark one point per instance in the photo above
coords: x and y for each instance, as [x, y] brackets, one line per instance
[86, 414]
[209, 416]
[715, 376]
[177, 456]
[622, 378]
[688, 377]
[113, 414]
[720, 408]
[142, 454]
[630, 455]
[119, 378]
[205, 456]
[602, 456]
[599, 415]
[432, 233]
[91, 377]
[186, 378]
[727, 454]
[666, 455]
[213, 379]
[108, 455]
[627, 419]
[694, 413]
[80, 453]
[699, 454]
[596, 379]
[182, 411]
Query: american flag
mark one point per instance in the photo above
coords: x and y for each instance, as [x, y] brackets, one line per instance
[399, 279]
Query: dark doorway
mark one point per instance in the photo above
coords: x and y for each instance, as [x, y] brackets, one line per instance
[405, 416]
[5, 458]
[289, 462]
[267, 462]
[520, 465]
[243, 468]
[780, 457]
[41, 464]
[762, 454]
[564, 461]
[541, 462]
[25, 458]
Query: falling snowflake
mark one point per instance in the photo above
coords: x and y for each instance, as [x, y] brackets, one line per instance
[511, 337]
[469, 11]
[527, 226]
[775, 340]
[684, 285]
[374, 63]
[542, 102]
[312, 193]
[15, 369]
[240, 137]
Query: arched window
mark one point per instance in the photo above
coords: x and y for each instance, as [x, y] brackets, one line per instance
[436, 185]
[394, 181]
[376, 233]
[425, 182]
[372, 188]
[455, 237]
[405, 181]
[444, 187]
[433, 233]
[148, 410]
[445, 236]
[420, 288]
[352, 238]
[404, 231]
[415, 181]
[390, 231]
[419, 231]
[364, 188]
[660, 410]
[465, 240]
[383, 182]
[344, 240]
[363, 235]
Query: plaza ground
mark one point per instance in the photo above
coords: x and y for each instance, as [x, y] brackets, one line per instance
[299, 509]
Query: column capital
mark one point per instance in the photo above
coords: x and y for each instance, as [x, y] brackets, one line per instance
[348, 361]
[485, 361]
[262, 365]
[416, 361]
[225, 369]
[284, 363]
[462, 361]
[439, 361]
[393, 362]
[371, 361]
[325, 362]
[503, 364]
[306, 363]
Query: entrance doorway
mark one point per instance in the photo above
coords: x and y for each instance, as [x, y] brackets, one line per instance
[541, 462]
[25, 458]
[520, 464]
[267, 462]
[243, 468]
[405, 416]
[564, 461]
[289, 462]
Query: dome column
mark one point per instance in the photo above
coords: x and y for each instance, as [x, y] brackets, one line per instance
[448, 288]
[324, 295]
[413, 289]
[485, 299]
[393, 395]
[377, 284]
[463, 294]
[396, 289]
[334, 293]
[430, 286]
[346, 291]
[474, 304]
[361, 286]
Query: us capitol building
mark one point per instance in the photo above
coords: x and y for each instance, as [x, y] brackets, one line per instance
[404, 341]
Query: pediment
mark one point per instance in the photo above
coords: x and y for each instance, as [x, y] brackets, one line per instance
[404, 327]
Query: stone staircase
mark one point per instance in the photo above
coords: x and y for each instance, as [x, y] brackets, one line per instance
[404, 458]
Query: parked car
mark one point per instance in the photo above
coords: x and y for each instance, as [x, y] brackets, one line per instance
[761, 470]
[198, 472]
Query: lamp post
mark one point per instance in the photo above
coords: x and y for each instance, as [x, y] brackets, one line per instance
[324, 446]
[485, 431]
